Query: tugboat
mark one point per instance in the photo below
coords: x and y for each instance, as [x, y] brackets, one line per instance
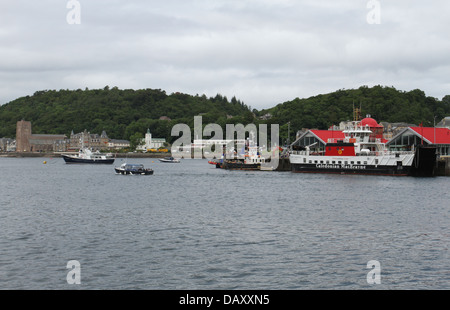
[359, 152]
[252, 161]
[133, 169]
[86, 156]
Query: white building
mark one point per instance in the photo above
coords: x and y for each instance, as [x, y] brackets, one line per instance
[150, 142]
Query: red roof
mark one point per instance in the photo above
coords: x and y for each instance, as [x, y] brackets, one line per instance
[324, 135]
[442, 134]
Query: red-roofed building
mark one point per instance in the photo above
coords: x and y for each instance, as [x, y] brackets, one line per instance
[320, 137]
[439, 137]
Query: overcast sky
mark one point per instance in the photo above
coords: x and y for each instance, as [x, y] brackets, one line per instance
[264, 52]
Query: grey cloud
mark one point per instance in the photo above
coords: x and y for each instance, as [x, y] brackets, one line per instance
[262, 51]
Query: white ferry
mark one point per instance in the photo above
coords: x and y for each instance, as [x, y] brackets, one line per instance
[359, 152]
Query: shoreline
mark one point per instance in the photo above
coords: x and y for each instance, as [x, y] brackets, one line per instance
[59, 155]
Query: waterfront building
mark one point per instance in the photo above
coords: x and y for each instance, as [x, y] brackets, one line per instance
[413, 136]
[317, 138]
[26, 141]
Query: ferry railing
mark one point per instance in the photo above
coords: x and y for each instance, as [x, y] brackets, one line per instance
[354, 140]
[369, 154]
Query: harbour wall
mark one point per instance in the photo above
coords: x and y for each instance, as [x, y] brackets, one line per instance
[443, 166]
[284, 164]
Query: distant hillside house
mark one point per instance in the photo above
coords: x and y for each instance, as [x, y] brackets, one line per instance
[444, 123]
[150, 143]
[392, 129]
[266, 116]
[26, 141]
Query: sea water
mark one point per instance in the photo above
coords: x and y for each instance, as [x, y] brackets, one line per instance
[192, 226]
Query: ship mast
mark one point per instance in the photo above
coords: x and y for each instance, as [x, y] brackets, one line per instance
[356, 113]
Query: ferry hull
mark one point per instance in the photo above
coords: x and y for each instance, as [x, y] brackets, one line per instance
[361, 170]
[421, 165]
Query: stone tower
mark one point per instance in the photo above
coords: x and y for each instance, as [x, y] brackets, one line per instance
[23, 134]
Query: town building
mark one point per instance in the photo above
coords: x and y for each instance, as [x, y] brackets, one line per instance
[7, 145]
[393, 129]
[115, 144]
[94, 142]
[26, 141]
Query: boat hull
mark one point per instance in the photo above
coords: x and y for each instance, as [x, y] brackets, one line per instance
[239, 166]
[129, 172]
[74, 160]
[169, 160]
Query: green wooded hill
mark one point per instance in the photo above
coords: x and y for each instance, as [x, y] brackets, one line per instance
[123, 114]
[384, 104]
[126, 114]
